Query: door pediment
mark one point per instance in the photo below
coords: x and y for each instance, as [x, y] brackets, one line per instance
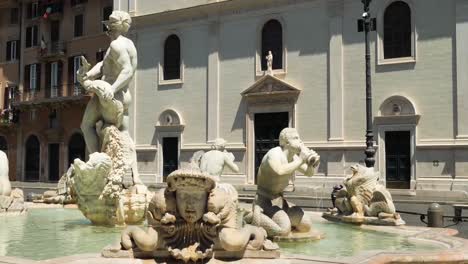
[271, 89]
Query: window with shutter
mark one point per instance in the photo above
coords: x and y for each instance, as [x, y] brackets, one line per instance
[8, 51]
[27, 77]
[54, 79]
[106, 12]
[14, 16]
[397, 30]
[76, 67]
[171, 68]
[78, 26]
[33, 77]
[38, 76]
[28, 37]
[272, 40]
[34, 36]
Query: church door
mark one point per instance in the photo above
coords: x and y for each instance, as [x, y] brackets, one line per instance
[267, 129]
[170, 149]
[398, 159]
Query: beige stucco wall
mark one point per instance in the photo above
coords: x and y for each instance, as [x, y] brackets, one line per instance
[429, 83]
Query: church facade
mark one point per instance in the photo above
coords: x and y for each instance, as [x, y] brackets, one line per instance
[203, 74]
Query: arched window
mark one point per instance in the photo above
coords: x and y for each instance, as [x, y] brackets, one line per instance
[397, 30]
[3, 145]
[76, 148]
[32, 159]
[272, 40]
[171, 69]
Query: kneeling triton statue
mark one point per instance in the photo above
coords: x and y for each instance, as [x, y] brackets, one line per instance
[271, 210]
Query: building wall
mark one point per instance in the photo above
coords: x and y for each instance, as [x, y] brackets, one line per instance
[325, 59]
[69, 109]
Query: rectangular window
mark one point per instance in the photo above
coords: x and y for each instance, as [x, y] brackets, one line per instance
[76, 67]
[14, 18]
[54, 79]
[106, 12]
[31, 36]
[12, 52]
[33, 10]
[78, 26]
[32, 77]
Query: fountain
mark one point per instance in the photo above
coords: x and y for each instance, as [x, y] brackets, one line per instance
[196, 218]
[107, 188]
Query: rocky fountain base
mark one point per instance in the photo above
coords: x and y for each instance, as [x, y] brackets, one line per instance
[103, 187]
[12, 204]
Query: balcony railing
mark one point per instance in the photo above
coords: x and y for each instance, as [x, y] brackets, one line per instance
[53, 49]
[54, 92]
[51, 94]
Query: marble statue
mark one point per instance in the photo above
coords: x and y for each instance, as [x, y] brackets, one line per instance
[11, 201]
[99, 185]
[5, 185]
[364, 200]
[270, 209]
[117, 70]
[214, 161]
[269, 60]
[189, 221]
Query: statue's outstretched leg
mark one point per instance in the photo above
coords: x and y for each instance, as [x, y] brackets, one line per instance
[88, 125]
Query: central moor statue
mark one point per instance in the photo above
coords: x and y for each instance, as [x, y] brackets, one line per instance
[101, 186]
[116, 71]
[271, 210]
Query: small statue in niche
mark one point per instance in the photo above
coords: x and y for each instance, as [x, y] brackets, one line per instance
[269, 61]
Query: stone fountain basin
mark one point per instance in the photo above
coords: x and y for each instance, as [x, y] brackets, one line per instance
[64, 236]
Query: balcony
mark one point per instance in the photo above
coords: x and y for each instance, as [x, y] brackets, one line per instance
[60, 95]
[53, 51]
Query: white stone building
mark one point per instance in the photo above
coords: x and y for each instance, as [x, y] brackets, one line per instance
[200, 77]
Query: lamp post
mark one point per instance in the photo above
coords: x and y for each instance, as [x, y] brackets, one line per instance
[368, 24]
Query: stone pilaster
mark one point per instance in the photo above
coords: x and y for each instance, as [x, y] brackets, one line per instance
[461, 29]
[335, 66]
[213, 82]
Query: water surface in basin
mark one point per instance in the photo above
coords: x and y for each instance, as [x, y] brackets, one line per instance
[50, 233]
[343, 240]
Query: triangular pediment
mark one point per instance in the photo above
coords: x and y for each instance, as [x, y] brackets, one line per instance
[270, 85]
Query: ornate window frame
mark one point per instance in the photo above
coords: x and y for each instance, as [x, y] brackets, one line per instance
[380, 35]
[170, 124]
[404, 120]
[267, 95]
[258, 53]
[161, 80]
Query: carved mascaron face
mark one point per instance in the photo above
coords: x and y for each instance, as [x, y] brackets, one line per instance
[191, 204]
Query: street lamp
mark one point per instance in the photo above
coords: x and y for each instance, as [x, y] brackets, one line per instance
[368, 24]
